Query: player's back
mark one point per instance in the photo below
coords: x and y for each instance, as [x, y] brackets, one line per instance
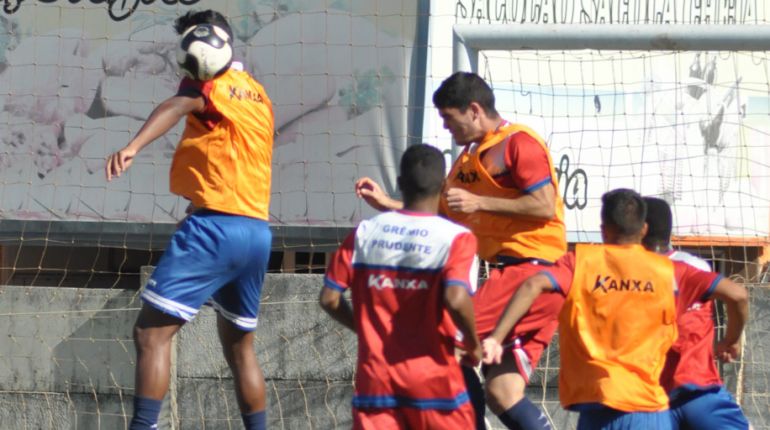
[616, 325]
[402, 263]
[223, 161]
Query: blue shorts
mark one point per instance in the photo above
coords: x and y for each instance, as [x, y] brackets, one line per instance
[604, 418]
[216, 258]
[707, 409]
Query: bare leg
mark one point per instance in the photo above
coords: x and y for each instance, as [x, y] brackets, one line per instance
[504, 385]
[505, 397]
[238, 348]
[153, 333]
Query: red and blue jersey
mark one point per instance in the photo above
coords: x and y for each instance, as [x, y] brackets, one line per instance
[397, 266]
[690, 362]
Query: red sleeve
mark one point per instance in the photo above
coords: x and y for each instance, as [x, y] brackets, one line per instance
[210, 116]
[694, 285]
[527, 161]
[462, 266]
[561, 273]
[339, 273]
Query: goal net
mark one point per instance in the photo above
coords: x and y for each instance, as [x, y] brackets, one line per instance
[681, 113]
[77, 81]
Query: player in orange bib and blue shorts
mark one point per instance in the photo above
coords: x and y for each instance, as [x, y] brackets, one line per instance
[698, 398]
[617, 324]
[410, 274]
[503, 187]
[219, 253]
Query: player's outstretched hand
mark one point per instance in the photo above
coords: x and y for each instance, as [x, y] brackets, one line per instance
[119, 162]
[369, 190]
[493, 351]
[460, 200]
[728, 352]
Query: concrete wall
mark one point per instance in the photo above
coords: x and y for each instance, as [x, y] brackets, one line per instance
[67, 362]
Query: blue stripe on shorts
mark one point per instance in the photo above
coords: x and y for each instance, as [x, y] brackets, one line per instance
[216, 258]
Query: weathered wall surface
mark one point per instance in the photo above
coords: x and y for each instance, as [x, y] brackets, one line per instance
[67, 362]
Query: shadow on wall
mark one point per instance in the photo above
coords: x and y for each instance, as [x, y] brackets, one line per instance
[94, 364]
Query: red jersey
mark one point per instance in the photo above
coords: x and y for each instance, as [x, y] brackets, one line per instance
[691, 360]
[397, 265]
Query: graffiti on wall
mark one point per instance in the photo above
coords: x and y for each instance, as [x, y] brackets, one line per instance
[73, 90]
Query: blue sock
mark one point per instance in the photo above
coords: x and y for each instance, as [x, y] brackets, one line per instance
[476, 394]
[255, 420]
[525, 416]
[146, 413]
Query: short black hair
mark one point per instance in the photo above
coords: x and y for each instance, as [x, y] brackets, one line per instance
[659, 222]
[624, 211]
[422, 172]
[207, 16]
[462, 88]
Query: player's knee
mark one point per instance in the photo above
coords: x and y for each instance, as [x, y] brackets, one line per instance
[143, 338]
[147, 338]
[502, 393]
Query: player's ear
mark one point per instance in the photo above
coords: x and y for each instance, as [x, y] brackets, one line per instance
[476, 110]
[643, 232]
[603, 230]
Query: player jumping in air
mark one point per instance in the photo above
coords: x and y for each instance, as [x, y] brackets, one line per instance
[617, 324]
[503, 187]
[410, 274]
[698, 398]
[220, 251]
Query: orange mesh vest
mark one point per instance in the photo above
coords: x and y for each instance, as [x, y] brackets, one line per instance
[227, 167]
[617, 323]
[515, 236]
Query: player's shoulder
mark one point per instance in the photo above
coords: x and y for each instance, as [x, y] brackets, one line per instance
[691, 260]
[522, 135]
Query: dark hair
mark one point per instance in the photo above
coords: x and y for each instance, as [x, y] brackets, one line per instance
[624, 211]
[659, 223]
[462, 88]
[207, 16]
[422, 172]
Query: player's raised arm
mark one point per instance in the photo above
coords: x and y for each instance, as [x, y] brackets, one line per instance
[369, 190]
[517, 307]
[736, 300]
[161, 120]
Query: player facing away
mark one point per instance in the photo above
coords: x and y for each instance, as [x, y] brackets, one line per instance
[219, 253]
[503, 187]
[410, 274]
[698, 398]
[617, 323]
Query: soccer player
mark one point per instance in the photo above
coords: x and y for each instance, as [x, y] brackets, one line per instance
[502, 187]
[220, 251]
[698, 398]
[410, 274]
[617, 324]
